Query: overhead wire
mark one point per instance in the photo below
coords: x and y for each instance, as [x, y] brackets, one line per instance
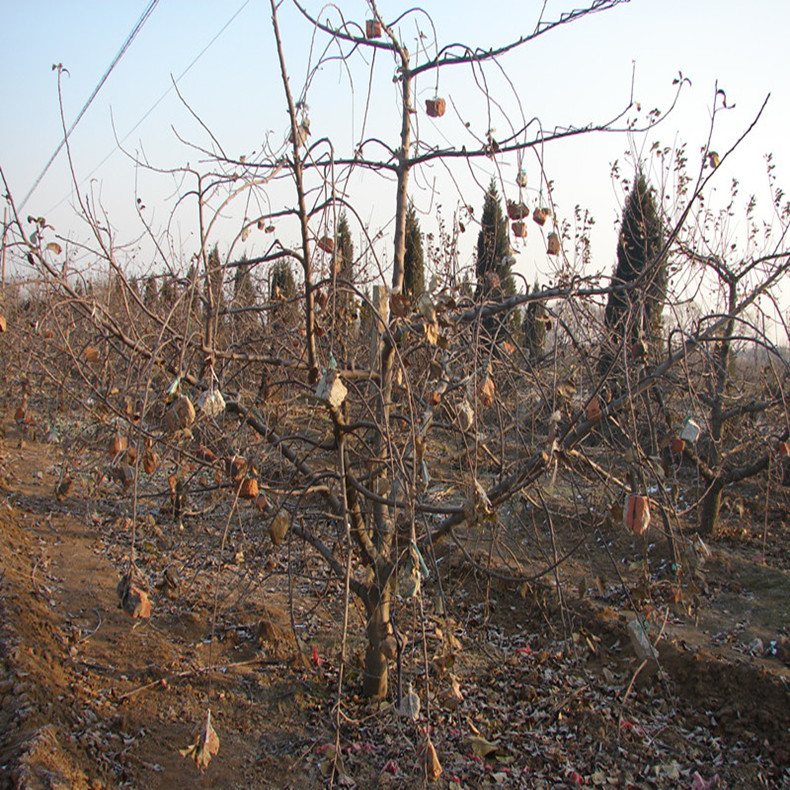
[129, 39]
[160, 99]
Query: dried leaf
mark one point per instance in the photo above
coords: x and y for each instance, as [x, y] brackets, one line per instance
[426, 308]
[482, 504]
[399, 305]
[278, 529]
[205, 746]
[486, 391]
[566, 389]
[249, 488]
[118, 444]
[63, 488]
[451, 697]
[326, 243]
[432, 333]
[429, 761]
[150, 462]
[466, 415]
[481, 747]
[54, 248]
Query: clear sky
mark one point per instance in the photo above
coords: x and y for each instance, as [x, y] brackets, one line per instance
[577, 74]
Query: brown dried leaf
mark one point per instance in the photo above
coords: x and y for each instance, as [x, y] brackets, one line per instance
[399, 305]
[205, 746]
[278, 529]
[432, 333]
[426, 308]
[481, 747]
[150, 462]
[566, 389]
[235, 467]
[249, 488]
[451, 697]
[429, 761]
[486, 391]
[180, 415]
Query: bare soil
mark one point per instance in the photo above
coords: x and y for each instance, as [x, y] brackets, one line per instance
[554, 693]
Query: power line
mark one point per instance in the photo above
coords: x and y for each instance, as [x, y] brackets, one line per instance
[160, 99]
[130, 38]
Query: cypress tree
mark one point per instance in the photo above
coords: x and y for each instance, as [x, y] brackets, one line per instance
[413, 262]
[534, 328]
[345, 262]
[283, 289]
[243, 288]
[283, 285]
[493, 247]
[215, 280]
[151, 293]
[637, 311]
[493, 265]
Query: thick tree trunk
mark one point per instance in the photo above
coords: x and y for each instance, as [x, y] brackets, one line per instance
[375, 683]
[711, 505]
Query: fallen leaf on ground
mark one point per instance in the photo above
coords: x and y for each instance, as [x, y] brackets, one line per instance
[205, 746]
[481, 747]
[429, 761]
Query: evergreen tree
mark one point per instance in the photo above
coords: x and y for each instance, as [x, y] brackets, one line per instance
[151, 294]
[167, 291]
[283, 285]
[413, 262]
[493, 249]
[243, 288]
[494, 279]
[637, 311]
[345, 263]
[283, 289]
[534, 328]
[215, 279]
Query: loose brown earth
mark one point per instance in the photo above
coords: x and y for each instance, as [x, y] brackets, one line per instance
[91, 698]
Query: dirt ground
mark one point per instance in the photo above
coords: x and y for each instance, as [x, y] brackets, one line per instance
[528, 688]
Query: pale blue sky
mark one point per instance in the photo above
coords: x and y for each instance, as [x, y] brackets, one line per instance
[577, 74]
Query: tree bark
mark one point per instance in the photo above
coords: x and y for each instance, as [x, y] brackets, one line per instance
[711, 506]
[375, 684]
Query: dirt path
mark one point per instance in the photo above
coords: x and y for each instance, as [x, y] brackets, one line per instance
[72, 661]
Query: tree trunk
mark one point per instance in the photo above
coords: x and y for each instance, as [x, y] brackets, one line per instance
[711, 505]
[375, 684]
